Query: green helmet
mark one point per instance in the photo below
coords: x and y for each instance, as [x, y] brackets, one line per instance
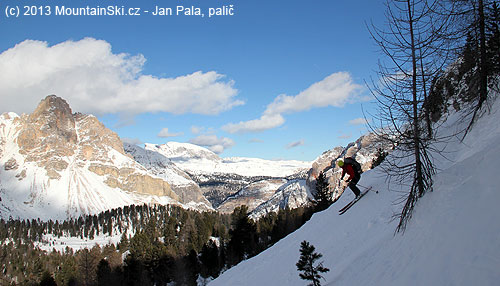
[340, 163]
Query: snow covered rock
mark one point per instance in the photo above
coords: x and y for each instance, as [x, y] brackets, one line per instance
[230, 181]
[293, 194]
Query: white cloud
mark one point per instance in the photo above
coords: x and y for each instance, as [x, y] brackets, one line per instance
[335, 90]
[265, 122]
[164, 133]
[95, 80]
[358, 121]
[295, 144]
[213, 143]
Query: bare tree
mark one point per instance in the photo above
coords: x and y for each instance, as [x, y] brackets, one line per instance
[413, 42]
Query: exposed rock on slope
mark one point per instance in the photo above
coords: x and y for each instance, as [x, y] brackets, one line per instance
[292, 194]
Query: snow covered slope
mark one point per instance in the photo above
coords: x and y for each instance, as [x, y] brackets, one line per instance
[198, 160]
[452, 239]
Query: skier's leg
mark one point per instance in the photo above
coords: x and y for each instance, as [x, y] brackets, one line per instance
[353, 187]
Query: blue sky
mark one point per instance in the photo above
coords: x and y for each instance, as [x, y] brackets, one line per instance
[277, 80]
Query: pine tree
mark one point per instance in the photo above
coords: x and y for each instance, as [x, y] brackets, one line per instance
[243, 236]
[476, 23]
[493, 45]
[103, 273]
[47, 280]
[308, 257]
[210, 260]
[323, 196]
[87, 262]
[124, 243]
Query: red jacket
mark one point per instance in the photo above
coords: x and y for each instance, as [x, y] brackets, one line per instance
[347, 168]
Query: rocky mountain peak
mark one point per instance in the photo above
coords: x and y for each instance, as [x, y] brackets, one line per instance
[54, 116]
[53, 104]
[48, 134]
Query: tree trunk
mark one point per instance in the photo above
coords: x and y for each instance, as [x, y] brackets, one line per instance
[483, 69]
[416, 128]
[426, 100]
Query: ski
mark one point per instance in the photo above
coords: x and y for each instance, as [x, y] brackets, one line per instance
[350, 204]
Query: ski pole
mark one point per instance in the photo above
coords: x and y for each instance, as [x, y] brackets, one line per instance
[366, 187]
[362, 186]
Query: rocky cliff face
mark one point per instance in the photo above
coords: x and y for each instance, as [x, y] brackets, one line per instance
[292, 194]
[48, 135]
[252, 195]
[70, 163]
[181, 183]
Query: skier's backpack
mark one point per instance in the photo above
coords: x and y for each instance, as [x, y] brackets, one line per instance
[356, 166]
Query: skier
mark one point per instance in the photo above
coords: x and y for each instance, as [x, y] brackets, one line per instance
[353, 169]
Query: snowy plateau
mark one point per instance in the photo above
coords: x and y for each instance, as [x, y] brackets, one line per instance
[199, 160]
[453, 237]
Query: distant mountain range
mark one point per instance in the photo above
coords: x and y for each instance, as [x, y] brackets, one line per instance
[56, 164]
